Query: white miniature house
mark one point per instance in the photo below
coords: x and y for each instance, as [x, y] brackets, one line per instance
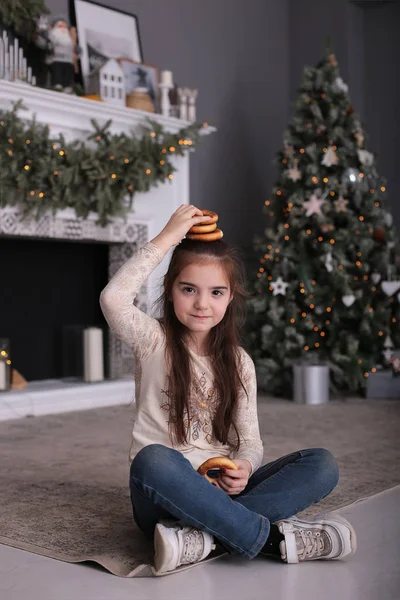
[108, 82]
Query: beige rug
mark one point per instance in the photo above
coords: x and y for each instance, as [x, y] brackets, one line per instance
[64, 478]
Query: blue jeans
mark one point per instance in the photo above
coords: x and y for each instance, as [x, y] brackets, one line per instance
[164, 484]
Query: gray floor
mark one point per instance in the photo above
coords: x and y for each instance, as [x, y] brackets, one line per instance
[373, 573]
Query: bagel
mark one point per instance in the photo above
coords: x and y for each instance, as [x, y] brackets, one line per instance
[203, 228]
[210, 213]
[206, 237]
[218, 462]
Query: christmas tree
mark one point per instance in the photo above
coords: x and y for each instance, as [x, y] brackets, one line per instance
[328, 286]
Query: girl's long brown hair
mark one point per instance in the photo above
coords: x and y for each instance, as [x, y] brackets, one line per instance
[223, 341]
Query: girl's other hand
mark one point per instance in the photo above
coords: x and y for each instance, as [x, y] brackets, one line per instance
[179, 224]
[233, 482]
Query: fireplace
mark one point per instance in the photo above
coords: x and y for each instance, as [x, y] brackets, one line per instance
[63, 234]
[50, 293]
[55, 270]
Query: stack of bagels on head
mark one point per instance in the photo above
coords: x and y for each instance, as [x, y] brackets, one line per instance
[206, 232]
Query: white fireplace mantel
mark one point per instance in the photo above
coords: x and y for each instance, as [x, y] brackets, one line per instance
[71, 116]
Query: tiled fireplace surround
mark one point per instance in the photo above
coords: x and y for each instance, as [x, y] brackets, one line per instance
[72, 116]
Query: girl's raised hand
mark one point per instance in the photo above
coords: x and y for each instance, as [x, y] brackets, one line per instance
[179, 224]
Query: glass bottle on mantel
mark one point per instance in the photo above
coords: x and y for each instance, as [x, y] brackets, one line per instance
[5, 365]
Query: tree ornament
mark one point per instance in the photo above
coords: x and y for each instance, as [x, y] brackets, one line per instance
[332, 60]
[387, 355]
[376, 277]
[279, 286]
[330, 158]
[328, 262]
[349, 110]
[388, 342]
[366, 158]
[379, 234]
[341, 85]
[388, 218]
[294, 174]
[390, 287]
[359, 138]
[341, 204]
[396, 363]
[288, 152]
[348, 300]
[313, 205]
[326, 227]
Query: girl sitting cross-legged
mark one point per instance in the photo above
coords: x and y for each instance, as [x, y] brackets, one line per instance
[196, 399]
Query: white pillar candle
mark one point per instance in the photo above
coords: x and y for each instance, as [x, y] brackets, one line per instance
[2, 70]
[3, 375]
[11, 54]
[20, 64]
[93, 363]
[166, 78]
[16, 59]
[24, 68]
[29, 74]
[7, 66]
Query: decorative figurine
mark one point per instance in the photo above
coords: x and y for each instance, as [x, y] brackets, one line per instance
[59, 40]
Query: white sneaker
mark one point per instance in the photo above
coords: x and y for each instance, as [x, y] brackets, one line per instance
[176, 545]
[328, 538]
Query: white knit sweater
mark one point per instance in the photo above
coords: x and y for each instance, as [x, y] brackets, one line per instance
[144, 335]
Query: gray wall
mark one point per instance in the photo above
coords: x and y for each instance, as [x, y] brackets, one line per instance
[246, 58]
[236, 53]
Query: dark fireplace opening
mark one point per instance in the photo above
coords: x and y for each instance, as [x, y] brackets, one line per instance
[49, 292]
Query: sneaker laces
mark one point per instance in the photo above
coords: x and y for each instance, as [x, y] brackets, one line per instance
[193, 546]
[312, 542]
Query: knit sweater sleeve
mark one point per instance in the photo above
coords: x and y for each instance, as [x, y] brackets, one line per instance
[139, 331]
[251, 446]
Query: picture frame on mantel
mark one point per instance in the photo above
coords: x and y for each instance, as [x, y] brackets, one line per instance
[103, 33]
[140, 75]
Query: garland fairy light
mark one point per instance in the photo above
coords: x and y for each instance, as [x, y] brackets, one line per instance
[41, 173]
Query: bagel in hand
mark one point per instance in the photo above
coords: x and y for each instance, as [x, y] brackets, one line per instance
[218, 462]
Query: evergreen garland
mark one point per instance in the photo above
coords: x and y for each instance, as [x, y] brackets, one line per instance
[40, 173]
[21, 16]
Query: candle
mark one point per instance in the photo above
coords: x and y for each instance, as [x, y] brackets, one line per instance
[11, 55]
[24, 68]
[2, 70]
[166, 78]
[20, 64]
[3, 375]
[29, 74]
[16, 64]
[93, 364]
[7, 66]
